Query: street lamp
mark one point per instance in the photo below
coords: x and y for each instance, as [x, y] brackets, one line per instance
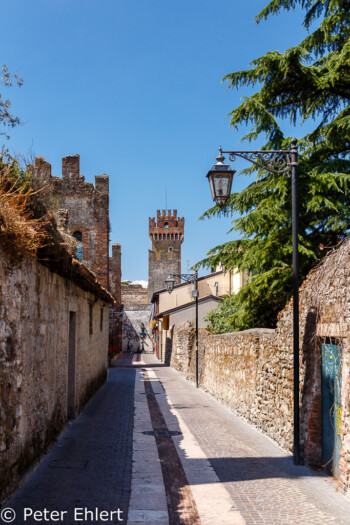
[169, 283]
[284, 162]
[188, 278]
[220, 180]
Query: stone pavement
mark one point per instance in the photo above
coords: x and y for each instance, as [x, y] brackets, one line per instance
[162, 452]
[234, 473]
[90, 465]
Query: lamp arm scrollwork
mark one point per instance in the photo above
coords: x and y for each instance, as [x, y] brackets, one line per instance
[275, 161]
[188, 277]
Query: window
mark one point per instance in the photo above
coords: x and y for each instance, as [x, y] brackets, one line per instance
[91, 318]
[78, 236]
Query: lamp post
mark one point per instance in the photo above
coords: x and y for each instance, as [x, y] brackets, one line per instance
[284, 162]
[188, 278]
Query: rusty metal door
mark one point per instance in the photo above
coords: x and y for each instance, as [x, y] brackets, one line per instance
[331, 406]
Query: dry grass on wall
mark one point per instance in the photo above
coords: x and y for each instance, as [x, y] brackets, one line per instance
[21, 233]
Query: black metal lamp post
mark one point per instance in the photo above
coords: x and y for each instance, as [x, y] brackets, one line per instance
[284, 162]
[188, 278]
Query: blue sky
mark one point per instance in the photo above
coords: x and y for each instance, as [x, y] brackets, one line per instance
[135, 88]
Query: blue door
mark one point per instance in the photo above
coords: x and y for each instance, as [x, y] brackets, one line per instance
[80, 252]
[331, 406]
[78, 236]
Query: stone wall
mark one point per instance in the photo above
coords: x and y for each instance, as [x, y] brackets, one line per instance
[135, 319]
[38, 311]
[134, 294]
[252, 371]
[135, 316]
[115, 274]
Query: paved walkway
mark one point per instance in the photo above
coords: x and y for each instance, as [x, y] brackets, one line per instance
[150, 448]
[90, 466]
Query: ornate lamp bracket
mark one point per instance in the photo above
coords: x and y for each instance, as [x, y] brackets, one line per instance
[274, 161]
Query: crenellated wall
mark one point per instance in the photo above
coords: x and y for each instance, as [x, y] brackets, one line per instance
[78, 206]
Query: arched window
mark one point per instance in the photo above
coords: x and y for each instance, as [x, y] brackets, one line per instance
[79, 238]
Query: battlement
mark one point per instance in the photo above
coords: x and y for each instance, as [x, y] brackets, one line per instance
[41, 168]
[167, 227]
[70, 175]
[81, 209]
[71, 166]
[102, 183]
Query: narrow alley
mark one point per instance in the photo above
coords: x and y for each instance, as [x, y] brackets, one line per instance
[150, 448]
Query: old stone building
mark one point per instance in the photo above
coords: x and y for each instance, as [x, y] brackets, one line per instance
[173, 308]
[166, 234]
[81, 210]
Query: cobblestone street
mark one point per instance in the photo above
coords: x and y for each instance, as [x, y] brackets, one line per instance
[162, 452]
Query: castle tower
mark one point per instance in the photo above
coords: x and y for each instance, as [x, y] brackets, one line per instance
[166, 235]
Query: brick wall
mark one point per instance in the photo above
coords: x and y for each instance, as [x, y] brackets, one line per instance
[115, 274]
[35, 306]
[134, 294]
[252, 371]
[78, 206]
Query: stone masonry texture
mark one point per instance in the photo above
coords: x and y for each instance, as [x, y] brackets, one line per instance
[115, 274]
[35, 310]
[252, 371]
[134, 294]
[166, 234]
[90, 466]
[78, 206]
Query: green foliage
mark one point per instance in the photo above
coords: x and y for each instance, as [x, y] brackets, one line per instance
[219, 318]
[10, 167]
[311, 80]
[7, 119]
